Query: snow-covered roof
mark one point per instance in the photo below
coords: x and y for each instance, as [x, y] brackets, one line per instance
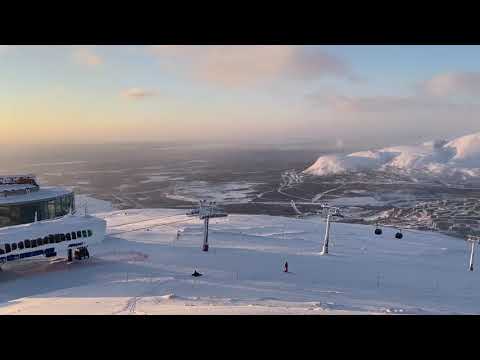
[17, 184]
[46, 193]
[16, 187]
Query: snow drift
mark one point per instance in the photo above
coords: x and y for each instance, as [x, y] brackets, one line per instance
[460, 156]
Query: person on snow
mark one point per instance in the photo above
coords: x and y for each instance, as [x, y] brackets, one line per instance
[196, 273]
[286, 267]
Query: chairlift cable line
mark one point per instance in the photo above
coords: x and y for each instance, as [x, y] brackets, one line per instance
[140, 221]
[149, 227]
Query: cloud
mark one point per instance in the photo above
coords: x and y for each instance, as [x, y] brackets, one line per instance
[433, 96]
[453, 83]
[137, 93]
[248, 65]
[383, 103]
[439, 93]
[86, 56]
[314, 63]
[387, 119]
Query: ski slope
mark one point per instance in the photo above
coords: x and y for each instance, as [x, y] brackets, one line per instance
[143, 268]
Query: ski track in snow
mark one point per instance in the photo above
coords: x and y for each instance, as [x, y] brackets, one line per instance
[318, 197]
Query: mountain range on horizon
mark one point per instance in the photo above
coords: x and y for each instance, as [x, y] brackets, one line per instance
[458, 158]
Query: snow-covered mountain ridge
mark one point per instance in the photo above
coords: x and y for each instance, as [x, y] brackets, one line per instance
[458, 157]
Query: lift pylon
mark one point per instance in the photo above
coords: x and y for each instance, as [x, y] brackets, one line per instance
[331, 212]
[473, 240]
[205, 211]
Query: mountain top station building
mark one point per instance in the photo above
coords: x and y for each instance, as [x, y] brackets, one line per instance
[22, 199]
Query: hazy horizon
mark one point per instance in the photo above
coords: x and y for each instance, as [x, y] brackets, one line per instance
[325, 96]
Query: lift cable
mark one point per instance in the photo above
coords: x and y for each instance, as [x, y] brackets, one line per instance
[149, 227]
[150, 219]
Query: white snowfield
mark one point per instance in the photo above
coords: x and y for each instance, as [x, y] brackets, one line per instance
[460, 156]
[148, 271]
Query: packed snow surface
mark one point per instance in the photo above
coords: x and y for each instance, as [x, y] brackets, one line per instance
[460, 156]
[143, 268]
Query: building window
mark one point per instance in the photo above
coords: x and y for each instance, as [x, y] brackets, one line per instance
[34, 243]
[84, 233]
[14, 246]
[79, 234]
[68, 236]
[27, 244]
[2, 251]
[74, 235]
[58, 207]
[39, 242]
[51, 239]
[20, 245]
[89, 233]
[57, 238]
[51, 209]
[62, 237]
[45, 240]
[7, 248]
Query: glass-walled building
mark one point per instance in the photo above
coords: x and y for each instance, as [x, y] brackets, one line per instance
[46, 203]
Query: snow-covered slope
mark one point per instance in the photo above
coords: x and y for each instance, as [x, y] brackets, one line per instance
[148, 271]
[460, 157]
[91, 204]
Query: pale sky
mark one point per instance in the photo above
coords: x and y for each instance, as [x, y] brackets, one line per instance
[331, 94]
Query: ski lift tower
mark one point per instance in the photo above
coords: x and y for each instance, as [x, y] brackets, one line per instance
[473, 240]
[331, 212]
[205, 211]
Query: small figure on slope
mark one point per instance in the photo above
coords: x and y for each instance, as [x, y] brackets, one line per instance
[286, 267]
[196, 274]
